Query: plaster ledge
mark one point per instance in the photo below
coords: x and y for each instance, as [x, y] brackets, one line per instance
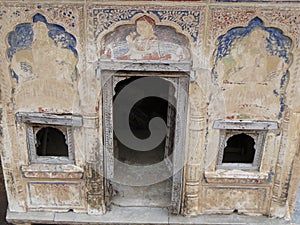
[52, 171]
[236, 176]
[145, 65]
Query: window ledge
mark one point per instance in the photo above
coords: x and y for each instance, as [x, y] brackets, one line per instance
[52, 171]
[237, 167]
[236, 176]
[245, 125]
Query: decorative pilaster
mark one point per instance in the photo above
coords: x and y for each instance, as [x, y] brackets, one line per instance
[193, 167]
[94, 165]
[283, 172]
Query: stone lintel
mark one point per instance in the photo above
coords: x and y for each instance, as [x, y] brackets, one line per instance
[45, 118]
[145, 65]
[245, 125]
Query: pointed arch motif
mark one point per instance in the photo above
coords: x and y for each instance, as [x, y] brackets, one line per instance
[254, 57]
[43, 64]
[145, 40]
[29, 38]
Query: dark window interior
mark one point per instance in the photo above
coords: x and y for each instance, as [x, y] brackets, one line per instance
[51, 142]
[239, 149]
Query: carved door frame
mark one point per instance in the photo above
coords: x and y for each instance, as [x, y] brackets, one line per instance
[176, 76]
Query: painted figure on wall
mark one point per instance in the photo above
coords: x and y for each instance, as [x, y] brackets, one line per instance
[40, 49]
[252, 67]
[145, 41]
[43, 62]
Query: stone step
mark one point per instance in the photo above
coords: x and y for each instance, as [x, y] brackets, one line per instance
[156, 195]
[139, 216]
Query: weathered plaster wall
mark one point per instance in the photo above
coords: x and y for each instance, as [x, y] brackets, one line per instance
[245, 60]
[40, 47]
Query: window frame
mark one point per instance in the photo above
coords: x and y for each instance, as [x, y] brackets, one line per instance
[36, 121]
[258, 137]
[255, 129]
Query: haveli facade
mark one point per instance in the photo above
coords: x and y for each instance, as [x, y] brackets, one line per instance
[229, 73]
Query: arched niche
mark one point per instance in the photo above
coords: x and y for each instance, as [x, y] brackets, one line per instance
[145, 39]
[43, 64]
[251, 68]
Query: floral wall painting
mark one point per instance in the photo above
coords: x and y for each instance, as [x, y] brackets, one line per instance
[251, 65]
[145, 40]
[35, 46]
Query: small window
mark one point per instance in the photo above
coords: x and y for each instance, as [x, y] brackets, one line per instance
[239, 149]
[51, 142]
[49, 136]
[241, 143]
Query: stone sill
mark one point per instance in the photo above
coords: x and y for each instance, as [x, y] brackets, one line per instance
[52, 171]
[236, 176]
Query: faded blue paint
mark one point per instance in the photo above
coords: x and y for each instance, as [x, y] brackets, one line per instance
[58, 34]
[283, 79]
[278, 44]
[14, 75]
[22, 37]
[107, 17]
[283, 82]
[165, 15]
[282, 106]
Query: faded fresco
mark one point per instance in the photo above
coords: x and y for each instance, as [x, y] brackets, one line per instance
[241, 60]
[145, 41]
[251, 66]
[42, 57]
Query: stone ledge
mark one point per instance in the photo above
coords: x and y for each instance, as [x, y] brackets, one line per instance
[139, 215]
[32, 217]
[52, 171]
[233, 176]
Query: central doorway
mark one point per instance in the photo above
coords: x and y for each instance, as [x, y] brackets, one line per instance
[139, 177]
[139, 118]
[136, 186]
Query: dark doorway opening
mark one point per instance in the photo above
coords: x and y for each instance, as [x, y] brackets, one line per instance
[148, 107]
[239, 149]
[140, 115]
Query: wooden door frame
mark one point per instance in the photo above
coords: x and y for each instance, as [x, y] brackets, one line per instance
[165, 72]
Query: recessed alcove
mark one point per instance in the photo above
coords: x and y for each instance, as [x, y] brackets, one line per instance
[51, 142]
[139, 118]
[143, 111]
[239, 149]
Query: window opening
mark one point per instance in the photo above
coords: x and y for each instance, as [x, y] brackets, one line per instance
[51, 142]
[239, 149]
